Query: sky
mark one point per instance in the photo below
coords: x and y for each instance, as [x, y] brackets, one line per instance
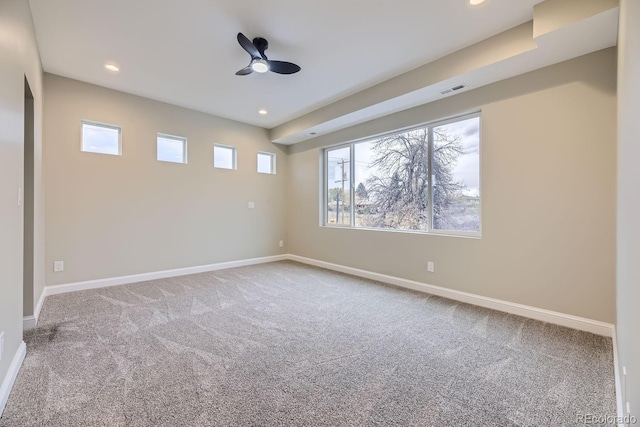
[467, 170]
[100, 139]
[171, 150]
[223, 157]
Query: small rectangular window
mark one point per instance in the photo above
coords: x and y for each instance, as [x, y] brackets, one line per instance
[224, 157]
[266, 163]
[172, 148]
[100, 138]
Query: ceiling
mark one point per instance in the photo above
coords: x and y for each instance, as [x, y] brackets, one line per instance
[185, 52]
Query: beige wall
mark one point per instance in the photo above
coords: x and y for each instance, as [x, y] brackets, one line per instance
[109, 216]
[548, 195]
[629, 199]
[18, 58]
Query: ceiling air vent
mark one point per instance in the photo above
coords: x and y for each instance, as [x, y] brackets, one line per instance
[453, 89]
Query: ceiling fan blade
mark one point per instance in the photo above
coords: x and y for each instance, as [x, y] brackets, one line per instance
[248, 46]
[282, 67]
[246, 70]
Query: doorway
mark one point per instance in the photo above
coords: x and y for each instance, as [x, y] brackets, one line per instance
[28, 202]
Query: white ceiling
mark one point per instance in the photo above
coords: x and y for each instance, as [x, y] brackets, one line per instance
[185, 52]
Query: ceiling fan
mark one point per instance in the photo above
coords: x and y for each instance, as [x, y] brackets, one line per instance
[259, 61]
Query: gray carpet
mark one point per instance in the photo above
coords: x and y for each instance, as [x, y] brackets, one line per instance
[287, 344]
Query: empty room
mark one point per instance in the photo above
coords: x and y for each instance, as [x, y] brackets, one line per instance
[235, 213]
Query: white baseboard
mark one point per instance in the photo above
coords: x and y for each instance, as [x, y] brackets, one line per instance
[36, 311]
[30, 322]
[123, 280]
[616, 370]
[12, 374]
[548, 316]
[568, 320]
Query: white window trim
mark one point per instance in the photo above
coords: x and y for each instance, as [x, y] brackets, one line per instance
[176, 138]
[430, 230]
[273, 162]
[325, 174]
[233, 149]
[100, 124]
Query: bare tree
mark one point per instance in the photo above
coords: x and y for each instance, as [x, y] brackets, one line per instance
[446, 151]
[399, 189]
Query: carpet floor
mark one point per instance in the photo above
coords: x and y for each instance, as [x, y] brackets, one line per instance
[287, 344]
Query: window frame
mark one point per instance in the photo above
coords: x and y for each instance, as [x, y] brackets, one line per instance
[325, 175]
[175, 138]
[324, 214]
[234, 159]
[102, 125]
[273, 162]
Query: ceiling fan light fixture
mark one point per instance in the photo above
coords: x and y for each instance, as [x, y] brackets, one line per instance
[259, 65]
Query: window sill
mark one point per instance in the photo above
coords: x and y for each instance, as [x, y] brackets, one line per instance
[464, 235]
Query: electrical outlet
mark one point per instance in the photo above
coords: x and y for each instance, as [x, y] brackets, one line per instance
[251, 205]
[1, 345]
[58, 266]
[281, 243]
[430, 267]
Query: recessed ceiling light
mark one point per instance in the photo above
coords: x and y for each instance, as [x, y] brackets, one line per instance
[475, 2]
[112, 67]
[263, 111]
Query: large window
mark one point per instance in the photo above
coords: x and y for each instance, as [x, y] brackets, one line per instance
[423, 179]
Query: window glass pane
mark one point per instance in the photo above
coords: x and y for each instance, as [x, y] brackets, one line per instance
[171, 149]
[364, 173]
[391, 179]
[338, 186]
[266, 163]
[456, 180]
[100, 139]
[224, 157]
